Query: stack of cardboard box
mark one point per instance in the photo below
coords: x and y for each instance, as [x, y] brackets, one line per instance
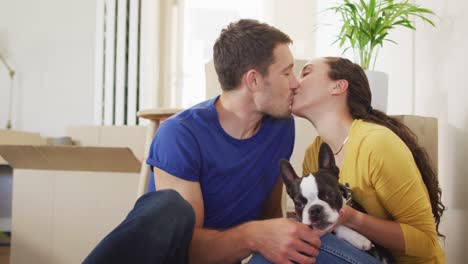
[65, 199]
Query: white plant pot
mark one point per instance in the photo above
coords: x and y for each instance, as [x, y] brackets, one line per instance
[378, 82]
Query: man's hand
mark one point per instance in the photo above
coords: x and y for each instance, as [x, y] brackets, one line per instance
[284, 240]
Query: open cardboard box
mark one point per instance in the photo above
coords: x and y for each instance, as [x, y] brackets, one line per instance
[9, 137]
[132, 137]
[67, 198]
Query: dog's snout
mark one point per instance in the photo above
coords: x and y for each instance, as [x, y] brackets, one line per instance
[315, 210]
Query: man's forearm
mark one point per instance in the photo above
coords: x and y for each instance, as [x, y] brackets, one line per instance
[229, 246]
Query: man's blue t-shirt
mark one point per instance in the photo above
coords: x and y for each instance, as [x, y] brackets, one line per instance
[235, 176]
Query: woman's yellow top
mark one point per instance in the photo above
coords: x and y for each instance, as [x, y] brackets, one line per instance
[385, 180]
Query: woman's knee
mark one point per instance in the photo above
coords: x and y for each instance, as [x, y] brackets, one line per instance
[336, 250]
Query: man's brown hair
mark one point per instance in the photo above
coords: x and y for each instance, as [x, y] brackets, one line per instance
[244, 45]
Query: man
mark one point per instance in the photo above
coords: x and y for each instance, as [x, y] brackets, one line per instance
[222, 157]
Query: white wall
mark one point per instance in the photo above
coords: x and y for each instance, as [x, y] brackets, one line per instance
[398, 67]
[51, 44]
[297, 19]
[441, 91]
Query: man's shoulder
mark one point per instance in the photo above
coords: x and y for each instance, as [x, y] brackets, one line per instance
[283, 123]
[200, 112]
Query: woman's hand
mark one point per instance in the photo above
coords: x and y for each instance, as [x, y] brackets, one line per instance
[347, 213]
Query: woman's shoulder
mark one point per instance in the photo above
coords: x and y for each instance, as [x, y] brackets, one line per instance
[372, 133]
[310, 162]
[314, 146]
[373, 137]
[363, 133]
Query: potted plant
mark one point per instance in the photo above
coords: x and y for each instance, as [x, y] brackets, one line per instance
[366, 25]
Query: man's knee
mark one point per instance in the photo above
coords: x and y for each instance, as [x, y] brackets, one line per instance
[167, 204]
[175, 204]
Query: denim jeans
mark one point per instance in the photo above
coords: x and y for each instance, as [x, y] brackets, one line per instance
[334, 250]
[157, 230]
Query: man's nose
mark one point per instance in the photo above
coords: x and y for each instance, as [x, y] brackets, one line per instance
[294, 83]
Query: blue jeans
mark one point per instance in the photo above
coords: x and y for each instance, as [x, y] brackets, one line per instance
[333, 251]
[157, 230]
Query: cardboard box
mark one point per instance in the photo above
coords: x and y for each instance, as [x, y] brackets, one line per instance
[103, 136]
[11, 137]
[427, 131]
[67, 198]
[132, 137]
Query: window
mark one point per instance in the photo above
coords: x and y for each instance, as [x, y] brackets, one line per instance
[153, 53]
[202, 22]
[117, 62]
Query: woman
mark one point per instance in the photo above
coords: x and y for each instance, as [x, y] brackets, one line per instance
[390, 175]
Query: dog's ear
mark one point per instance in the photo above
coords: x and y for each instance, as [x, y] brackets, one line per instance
[326, 159]
[287, 172]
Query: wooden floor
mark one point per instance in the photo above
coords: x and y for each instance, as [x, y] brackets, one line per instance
[4, 255]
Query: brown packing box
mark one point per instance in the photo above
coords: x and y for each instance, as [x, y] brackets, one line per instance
[132, 137]
[427, 131]
[67, 198]
[11, 137]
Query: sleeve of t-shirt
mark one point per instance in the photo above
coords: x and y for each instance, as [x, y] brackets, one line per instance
[400, 188]
[291, 137]
[175, 150]
[310, 162]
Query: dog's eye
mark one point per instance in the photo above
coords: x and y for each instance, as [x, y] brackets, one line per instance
[328, 195]
[299, 207]
[300, 201]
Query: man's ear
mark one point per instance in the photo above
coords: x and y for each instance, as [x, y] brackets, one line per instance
[340, 87]
[252, 79]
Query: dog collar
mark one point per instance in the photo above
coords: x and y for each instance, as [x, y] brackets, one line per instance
[347, 193]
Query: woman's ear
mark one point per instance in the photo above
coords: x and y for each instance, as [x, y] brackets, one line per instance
[340, 87]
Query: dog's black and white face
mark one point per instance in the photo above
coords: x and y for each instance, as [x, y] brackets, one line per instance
[317, 197]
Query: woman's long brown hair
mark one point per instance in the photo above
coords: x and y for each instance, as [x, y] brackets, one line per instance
[359, 104]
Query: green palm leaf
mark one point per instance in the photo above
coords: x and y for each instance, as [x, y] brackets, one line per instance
[367, 23]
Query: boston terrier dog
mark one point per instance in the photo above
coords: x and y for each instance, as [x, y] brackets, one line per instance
[319, 197]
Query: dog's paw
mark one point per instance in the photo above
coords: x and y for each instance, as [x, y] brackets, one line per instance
[353, 237]
[362, 243]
